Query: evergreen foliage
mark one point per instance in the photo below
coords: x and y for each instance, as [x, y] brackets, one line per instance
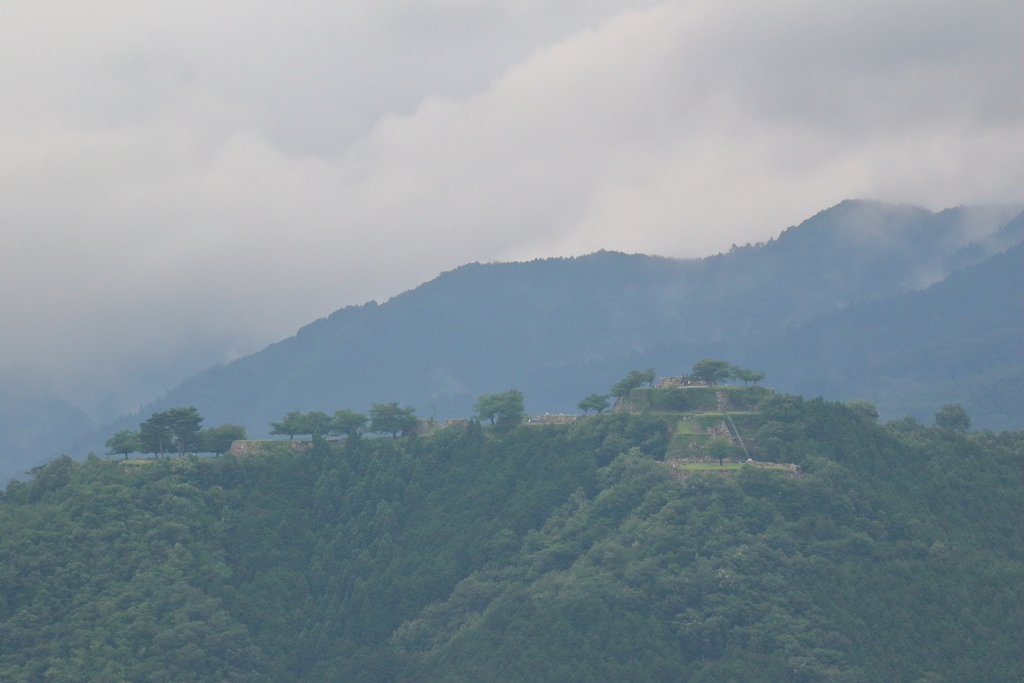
[318, 424]
[180, 427]
[633, 380]
[218, 439]
[293, 423]
[596, 402]
[504, 409]
[348, 423]
[124, 441]
[711, 370]
[184, 425]
[390, 418]
[155, 435]
[745, 375]
[953, 416]
[553, 553]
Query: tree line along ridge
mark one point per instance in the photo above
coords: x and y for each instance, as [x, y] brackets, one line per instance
[180, 429]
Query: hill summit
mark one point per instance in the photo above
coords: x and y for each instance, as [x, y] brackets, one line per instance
[604, 549]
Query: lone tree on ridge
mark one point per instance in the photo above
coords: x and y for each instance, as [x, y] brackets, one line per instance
[596, 402]
[504, 409]
[293, 423]
[124, 441]
[720, 448]
[952, 416]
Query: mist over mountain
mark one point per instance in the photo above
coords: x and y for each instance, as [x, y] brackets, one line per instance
[561, 328]
[960, 340]
[34, 426]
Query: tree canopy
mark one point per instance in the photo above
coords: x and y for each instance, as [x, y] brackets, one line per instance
[218, 439]
[294, 422]
[596, 402]
[952, 416]
[124, 441]
[711, 370]
[745, 375]
[177, 427]
[720, 448]
[184, 425]
[571, 553]
[155, 434]
[504, 409]
[632, 380]
[348, 422]
[318, 424]
[390, 418]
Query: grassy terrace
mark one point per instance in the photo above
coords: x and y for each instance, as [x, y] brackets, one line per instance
[692, 399]
[706, 466]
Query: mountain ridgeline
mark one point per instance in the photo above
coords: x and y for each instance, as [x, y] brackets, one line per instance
[830, 307]
[895, 304]
[603, 550]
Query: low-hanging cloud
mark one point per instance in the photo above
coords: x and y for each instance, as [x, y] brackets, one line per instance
[184, 182]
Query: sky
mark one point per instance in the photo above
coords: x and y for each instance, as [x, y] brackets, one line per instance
[184, 182]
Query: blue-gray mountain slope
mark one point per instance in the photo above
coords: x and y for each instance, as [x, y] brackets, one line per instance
[561, 328]
[960, 340]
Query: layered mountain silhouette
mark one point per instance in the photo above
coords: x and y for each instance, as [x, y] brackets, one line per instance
[890, 303]
[960, 340]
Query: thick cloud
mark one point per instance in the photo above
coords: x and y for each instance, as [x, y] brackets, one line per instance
[182, 182]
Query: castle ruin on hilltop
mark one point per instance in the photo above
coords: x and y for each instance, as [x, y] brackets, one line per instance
[681, 381]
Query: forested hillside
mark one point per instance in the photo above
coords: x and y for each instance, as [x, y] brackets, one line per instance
[533, 553]
[561, 328]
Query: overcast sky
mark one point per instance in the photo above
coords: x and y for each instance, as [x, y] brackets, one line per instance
[181, 182]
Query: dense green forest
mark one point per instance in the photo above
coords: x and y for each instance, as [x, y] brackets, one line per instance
[532, 553]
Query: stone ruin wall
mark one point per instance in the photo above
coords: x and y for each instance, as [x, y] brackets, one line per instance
[680, 381]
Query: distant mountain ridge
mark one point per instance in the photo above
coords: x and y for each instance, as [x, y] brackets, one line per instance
[34, 425]
[960, 340]
[563, 327]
